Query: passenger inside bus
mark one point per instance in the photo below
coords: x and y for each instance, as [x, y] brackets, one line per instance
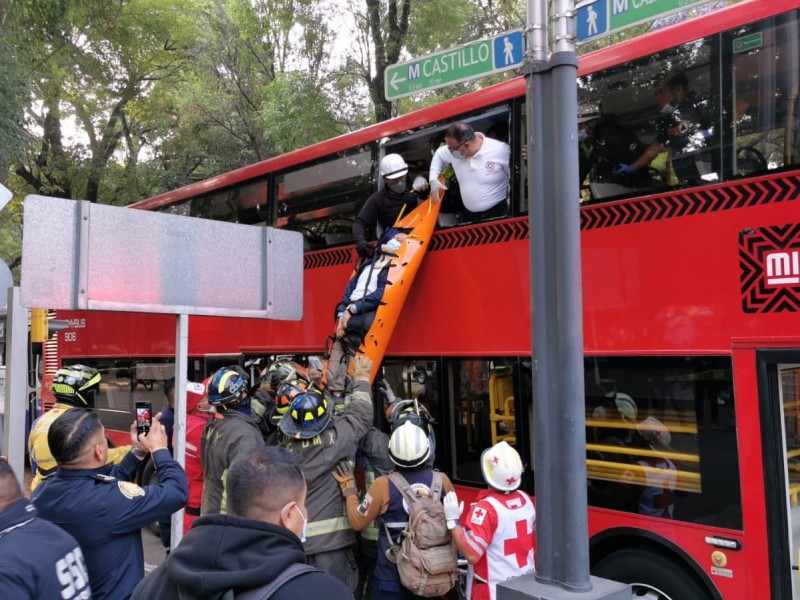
[604, 143]
[682, 130]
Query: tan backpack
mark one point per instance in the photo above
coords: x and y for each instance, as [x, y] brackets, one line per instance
[426, 558]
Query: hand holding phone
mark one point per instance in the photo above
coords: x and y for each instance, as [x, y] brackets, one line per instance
[144, 417]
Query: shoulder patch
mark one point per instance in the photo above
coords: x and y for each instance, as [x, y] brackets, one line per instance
[130, 490]
[365, 505]
[478, 515]
[104, 478]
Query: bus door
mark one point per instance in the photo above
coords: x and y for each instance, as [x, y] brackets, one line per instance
[779, 396]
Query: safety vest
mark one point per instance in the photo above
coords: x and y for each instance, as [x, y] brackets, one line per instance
[39, 449]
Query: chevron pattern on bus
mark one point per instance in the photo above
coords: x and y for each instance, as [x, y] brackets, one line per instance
[488, 233]
[727, 196]
[769, 262]
[329, 258]
[694, 201]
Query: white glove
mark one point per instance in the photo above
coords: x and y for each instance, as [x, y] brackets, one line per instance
[452, 507]
[436, 187]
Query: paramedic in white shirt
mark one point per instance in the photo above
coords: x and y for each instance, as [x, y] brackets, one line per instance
[481, 165]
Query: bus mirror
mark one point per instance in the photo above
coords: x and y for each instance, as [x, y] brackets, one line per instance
[55, 326]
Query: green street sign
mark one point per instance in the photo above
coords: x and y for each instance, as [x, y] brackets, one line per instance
[747, 42]
[473, 60]
[597, 18]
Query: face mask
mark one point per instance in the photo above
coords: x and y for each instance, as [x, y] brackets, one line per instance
[305, 525]
[398, 187]
[583, 135]
[393, 246]
[667, 109]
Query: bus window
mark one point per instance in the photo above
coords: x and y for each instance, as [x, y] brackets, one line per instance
[484, 412]
[321, 200]
[417, 150]
[419, 379]
[245, 203]
[661, 438]
[764, 100]
[658, 124]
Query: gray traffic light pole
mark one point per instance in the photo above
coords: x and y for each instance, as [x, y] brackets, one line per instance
[557, 319]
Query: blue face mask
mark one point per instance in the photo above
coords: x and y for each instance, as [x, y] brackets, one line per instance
[393, 246]
[398, 187]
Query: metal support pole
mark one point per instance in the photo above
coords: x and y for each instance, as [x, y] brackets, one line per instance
[16, 383]
[557, 319]
[179, 430]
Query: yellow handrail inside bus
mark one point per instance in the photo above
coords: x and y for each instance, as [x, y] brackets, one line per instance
[613, 424]
[637, 474]
[612, 449]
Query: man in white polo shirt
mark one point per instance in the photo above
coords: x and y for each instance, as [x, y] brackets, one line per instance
[481, 165]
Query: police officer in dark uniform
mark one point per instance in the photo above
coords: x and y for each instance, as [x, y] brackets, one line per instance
[38, 561]
[100, 506]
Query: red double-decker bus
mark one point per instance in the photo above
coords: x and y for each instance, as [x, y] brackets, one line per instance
[691, 283]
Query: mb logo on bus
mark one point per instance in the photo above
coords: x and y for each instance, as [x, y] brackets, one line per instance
[783, 268]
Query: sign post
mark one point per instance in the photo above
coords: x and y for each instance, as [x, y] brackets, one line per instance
[598, 18]
[470, 61]
[562, 532]
[179, 268]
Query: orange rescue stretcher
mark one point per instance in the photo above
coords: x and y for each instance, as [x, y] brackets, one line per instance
[419, 223]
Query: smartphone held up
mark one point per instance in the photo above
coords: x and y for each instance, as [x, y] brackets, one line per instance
[144, 417]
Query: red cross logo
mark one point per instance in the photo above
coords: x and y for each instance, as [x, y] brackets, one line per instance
[521, 545]
[511, 481]
[495, 460]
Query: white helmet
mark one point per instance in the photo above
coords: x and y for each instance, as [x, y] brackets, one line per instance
[626, 407]
[393, 166]
[655, 433]
[502, 467]
[409, 446]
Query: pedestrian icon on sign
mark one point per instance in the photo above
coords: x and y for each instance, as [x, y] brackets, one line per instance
[508, 48]
[591, 20]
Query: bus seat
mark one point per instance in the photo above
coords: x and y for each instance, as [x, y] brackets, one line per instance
[501, 406]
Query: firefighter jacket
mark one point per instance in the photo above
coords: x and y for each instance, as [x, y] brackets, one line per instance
[372, 460]
[105, 513]
[42, 462]
[223, 440]
[328, 527]
[39, 560]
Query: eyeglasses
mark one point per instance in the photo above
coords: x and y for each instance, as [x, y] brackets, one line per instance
[455, 150]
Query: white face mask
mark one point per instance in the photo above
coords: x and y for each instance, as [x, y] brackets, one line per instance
[305, 525]
[583, 135]
[393, 246]
[667, 109]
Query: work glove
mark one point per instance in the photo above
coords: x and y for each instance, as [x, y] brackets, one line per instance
[364, 249]
[362, 369]
[452, 507]
[343, 474]
[623, 169]
[436, 187]
[387, 392]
